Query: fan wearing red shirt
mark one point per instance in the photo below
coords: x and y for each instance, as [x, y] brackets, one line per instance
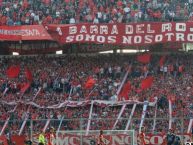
[51, 136]
[142, 137]
[101, 138]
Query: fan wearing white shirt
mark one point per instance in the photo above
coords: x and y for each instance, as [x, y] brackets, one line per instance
[72, 21]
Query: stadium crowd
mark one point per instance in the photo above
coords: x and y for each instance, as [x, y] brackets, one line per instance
[31, 12]
[63, 78]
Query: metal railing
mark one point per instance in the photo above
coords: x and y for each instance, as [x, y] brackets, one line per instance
[32, 128]
[181, 125]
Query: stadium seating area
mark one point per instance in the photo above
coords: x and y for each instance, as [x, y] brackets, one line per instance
[45, 90]
[63, 78]
[30, 12]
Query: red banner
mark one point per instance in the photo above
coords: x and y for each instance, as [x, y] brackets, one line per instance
[69, 139]
[126, 34]
[29, 32]
[150, 139]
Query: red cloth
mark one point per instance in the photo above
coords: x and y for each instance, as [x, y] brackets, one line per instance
[161, 61]
[89, 83]
[144, 58]
[147, 83]
[13, 71]
[25, 87]
[28, 74]
[125, 91]
[50, 137]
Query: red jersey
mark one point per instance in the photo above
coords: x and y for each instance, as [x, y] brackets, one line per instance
[100, 140]
[50, 138]
[141, 138]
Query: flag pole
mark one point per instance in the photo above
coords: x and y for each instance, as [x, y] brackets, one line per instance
[119, 116]
[89, 119]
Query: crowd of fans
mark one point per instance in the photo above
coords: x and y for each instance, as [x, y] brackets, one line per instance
[63, 78]
[30, 12]
[59, 79]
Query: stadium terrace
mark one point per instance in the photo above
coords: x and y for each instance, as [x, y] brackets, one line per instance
[87, 72]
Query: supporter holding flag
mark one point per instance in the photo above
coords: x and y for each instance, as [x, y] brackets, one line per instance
[28, 75]
[90, 83]
[25, 87]
[147, 83]
[144, 58]
[161, 61]
[125, 91]
[13, 71]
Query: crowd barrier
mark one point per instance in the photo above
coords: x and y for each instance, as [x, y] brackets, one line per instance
[152, 137]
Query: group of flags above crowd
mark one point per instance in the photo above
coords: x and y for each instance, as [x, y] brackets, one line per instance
[146, 58]
[14, 71]
[146, 83]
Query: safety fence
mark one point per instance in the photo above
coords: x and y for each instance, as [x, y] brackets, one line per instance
[155, 129]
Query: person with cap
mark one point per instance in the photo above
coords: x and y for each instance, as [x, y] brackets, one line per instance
[170, 137]
[41, 139]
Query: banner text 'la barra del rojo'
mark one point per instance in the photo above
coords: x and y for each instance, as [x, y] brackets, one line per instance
[126, 34]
